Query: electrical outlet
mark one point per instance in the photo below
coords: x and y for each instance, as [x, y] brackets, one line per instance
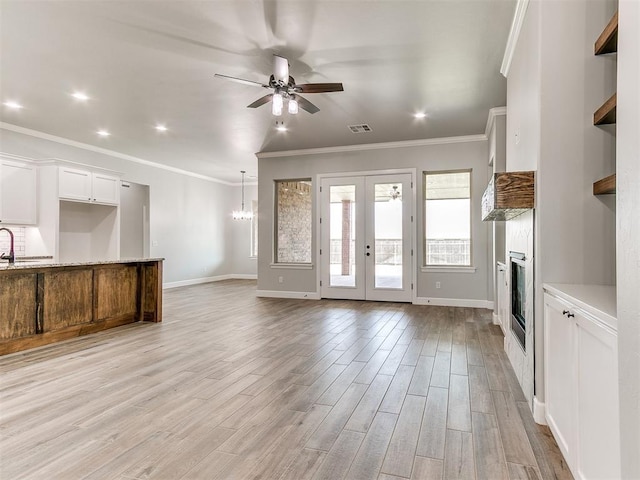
[154, 243]
[280, 279]
[437, 284]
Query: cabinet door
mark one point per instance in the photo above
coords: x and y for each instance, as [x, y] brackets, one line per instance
[74, 184]
[559, 366]
[106, 189]
[17, 193]
[597, 394]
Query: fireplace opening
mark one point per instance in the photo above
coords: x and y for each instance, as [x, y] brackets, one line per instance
[518, 297]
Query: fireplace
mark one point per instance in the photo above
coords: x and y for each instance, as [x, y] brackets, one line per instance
[518, 297]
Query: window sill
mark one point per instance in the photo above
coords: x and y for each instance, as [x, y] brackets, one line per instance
[294, 266]
[446, 269]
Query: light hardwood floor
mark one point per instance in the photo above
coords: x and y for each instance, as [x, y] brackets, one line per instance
[231, 387]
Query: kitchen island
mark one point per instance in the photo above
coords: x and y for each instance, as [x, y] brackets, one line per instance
[42, 303]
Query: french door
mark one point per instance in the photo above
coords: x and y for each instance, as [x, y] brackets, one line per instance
[366, 237]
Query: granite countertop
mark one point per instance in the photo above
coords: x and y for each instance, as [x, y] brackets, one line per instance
[47, 262]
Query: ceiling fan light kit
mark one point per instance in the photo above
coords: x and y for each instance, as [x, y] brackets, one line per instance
[284, 87]
[277, 104]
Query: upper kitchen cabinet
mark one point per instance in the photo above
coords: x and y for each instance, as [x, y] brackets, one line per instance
[17, 191]
[88, 186]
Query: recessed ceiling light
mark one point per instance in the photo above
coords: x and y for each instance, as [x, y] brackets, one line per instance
[13, 105]
[83, 97]
[103, 133]
[420, 115]
[161, 128]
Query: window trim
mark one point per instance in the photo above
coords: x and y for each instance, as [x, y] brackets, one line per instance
[275, 263]
[446, 268]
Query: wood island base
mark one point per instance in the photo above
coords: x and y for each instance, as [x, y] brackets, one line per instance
[43, 304]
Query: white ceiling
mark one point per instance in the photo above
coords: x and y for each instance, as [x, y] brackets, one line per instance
[147, 62]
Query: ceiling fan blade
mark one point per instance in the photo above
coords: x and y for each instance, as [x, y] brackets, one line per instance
[306, 105]
[319, 87]
[281, 69]
[241, 80]
[261, 101]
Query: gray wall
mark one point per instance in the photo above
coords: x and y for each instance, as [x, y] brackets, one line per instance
[472, 155]
[190, 218]
[554, 86]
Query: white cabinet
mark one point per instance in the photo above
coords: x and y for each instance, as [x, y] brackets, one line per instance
[581, 382]
[105, 188]
[559, 366]
[85, 186]
[17, 192]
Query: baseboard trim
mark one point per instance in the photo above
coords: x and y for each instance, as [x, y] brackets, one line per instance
[217, 278]
[285, 294]
[453, 302]
[539, 412]
[496, 319]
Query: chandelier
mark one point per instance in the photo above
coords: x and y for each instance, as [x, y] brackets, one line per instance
[242, 214]
[394, 193]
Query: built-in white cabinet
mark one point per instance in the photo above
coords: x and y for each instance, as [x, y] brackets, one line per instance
[17, 192]
[86, 186]
[581, 377]
[502, 297]
[79, 211]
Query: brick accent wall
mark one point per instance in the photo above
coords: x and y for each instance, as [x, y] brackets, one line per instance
[293, 221]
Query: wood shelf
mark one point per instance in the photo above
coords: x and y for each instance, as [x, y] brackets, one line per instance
[607, 42]
[605, 186]
[606, 114]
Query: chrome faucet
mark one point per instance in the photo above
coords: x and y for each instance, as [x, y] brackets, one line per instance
[11, 257]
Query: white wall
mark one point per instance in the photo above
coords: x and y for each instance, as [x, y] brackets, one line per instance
[472, 286]
[628, 228]
[523, 154]
[190, 217]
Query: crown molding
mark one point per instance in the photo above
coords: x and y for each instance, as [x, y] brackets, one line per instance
[493, 113]
[374, 146]
[105, 151]
[514, 34]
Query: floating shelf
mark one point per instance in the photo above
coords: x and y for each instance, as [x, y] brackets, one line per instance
[606, 114]
[607, 42]
[605, 186]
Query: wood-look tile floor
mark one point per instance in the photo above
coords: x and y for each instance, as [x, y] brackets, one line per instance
[231, 387]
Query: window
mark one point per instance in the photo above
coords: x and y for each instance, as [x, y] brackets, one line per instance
[254, 229]
[447, 218]
[293, 221]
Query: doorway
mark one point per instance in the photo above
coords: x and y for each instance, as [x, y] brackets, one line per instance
[134, 220]
[366, 237]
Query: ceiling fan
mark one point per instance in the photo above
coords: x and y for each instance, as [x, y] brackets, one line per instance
[285, 88]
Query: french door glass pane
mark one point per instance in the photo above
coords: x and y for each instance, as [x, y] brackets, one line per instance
[342, 236]
[388, 235]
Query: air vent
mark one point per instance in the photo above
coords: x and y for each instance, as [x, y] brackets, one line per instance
[364, 128]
